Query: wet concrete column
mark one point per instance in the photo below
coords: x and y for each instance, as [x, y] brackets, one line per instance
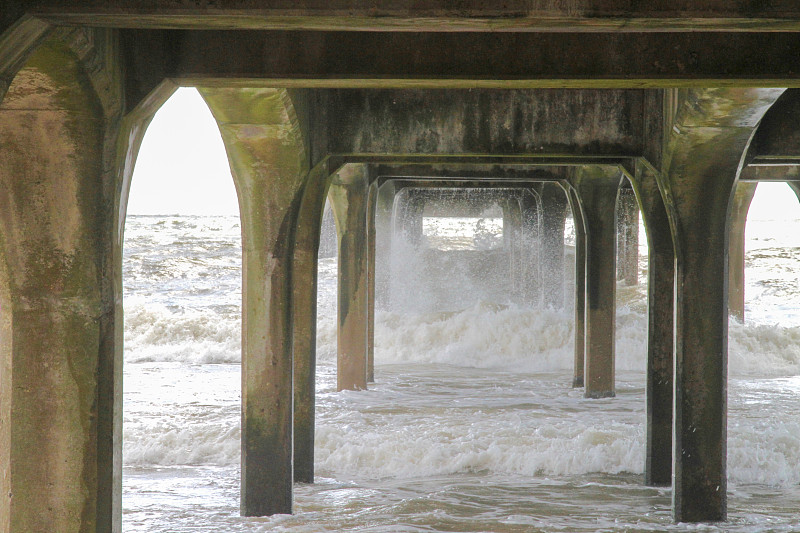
[554, 215]
[580, 290]
[268, 162]
[531, 222]
[60, 292]
[512, 235]
[372, 207]
[742, 197]
[628, 237]
[706, 144]
[660, 295]
[304, 320]
[349, 202]
[383, 241]
[597, 193]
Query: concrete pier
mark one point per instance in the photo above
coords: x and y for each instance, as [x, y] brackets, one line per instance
[266, 154]
[554, 215]
[740, 204]
[711, 133]
[580, 290]
[348, 195]
[304, 319]
[660, 327]
[627, 237]
[596, 189]
[677, 96]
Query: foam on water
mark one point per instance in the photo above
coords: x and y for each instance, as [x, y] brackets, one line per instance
[479, 393]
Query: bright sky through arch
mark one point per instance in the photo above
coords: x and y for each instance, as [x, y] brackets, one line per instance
[182, 167]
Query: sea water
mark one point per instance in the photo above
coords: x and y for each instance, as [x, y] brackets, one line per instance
[471, 424]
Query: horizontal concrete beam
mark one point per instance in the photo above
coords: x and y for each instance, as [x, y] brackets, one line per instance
[437, 15]
[468, 59]
[771, 173]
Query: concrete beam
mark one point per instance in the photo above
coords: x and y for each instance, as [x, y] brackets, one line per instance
[596, 189]
[502, 60]
[710, 134]
[433, 15]
[270, 167]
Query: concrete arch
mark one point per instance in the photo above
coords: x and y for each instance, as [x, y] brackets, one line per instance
[268, 155]
[60, 344]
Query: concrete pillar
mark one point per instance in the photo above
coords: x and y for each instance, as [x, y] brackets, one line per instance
[383, 241]
[60, 289]
[597, 194]
[580, 289]
[372, 207]
[304, 320]
[531, 233]
[554, 215]
[627, 237]
[660, 295]
[706, 143]
[349, 202]
[267, 158]
[740, 204]
[512, 235]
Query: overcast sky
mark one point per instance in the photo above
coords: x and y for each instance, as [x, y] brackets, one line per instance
[182, 168]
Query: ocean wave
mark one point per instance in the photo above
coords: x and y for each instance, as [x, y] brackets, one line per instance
[155, 333]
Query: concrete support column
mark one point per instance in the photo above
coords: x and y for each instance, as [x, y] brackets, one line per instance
[267, 157]
[580, 289]
[512, 234]
[554, 215]
[660, 295]
[349, 202]
[627, 237]
[597, 193]
[706, 143]
[742, 196]
[60, 292]
[372, 207]
[304, 320]
[531, 234]
[383, 241]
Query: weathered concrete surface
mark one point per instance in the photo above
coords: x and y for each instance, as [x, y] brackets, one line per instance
[372, 207]
[433, 15]
[627, 237]
[580, 289]
[554, 215]
[348, 197]
[501, 60]
[19, 36]
[710, 133]
[531, 205]
[269, 165]
[777, 139]
[596, 189]
[304, 319]
[60, 295]
[660, 324]
[740, 204]
[530, 122]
